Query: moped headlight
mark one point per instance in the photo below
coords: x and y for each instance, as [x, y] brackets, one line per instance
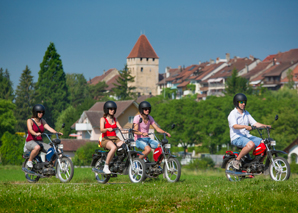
[133, 144]
[60, 146]
[168, 146]
[273, 143]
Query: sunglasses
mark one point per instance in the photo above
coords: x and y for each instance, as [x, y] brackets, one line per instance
[146, 109]
[242, 102]
[112, 109]
[41, 112]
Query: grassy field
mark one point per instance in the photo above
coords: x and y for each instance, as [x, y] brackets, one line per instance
[202, 191]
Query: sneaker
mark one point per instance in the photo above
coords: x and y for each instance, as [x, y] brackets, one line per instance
[30, 164]
[106, 170]
[236, 164]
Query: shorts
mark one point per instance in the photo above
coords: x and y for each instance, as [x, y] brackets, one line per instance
[30, 145]
[242, 141]
[105, 140]
[142, 142]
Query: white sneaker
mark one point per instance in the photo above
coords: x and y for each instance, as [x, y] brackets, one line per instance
[106, 170]
[30, 164]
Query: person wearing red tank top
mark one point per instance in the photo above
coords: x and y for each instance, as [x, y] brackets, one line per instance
[110, 140]
[34, 139]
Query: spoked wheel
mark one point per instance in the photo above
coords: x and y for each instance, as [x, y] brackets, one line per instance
[30, 178]
[280, 169]
[173, 173]
[137, 170]
[65, 172]
[230, 167]
[101, 178]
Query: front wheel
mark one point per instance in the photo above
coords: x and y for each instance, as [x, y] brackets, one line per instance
[30, 178]
[65, 170]
[173, 172]
[279, 169]
[229, 166]
[137, 170]
[99, 164]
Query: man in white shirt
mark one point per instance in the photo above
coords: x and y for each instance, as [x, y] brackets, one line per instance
[239, 120]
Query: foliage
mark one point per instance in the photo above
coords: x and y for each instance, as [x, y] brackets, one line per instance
[191, 87]
[24, 100]
[290, 76]
[83, 156]
[12, 149]
[51, 86]
[168, 93]
[97, 92]
[7, 119]
[6, 89]
[203, 163]
[294, 168]
[122, 90]
[68, 117]
[77, 87]
[236, 84]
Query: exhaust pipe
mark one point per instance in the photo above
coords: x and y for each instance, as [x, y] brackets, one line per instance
[31, 172]
[238, 173]
[97, 171]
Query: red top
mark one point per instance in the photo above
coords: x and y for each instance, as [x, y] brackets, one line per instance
[108, 125]
[30, 137]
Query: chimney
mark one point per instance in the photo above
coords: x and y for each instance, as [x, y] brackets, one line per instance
[180, 68]
[104, 72]
[217, 60]
[228, 57]
[251, 57]
[200, 62]
[167, 74]
[211, 61]
[246, 68]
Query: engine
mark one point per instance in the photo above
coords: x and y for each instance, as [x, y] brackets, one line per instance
[155, 170]
[256, 168]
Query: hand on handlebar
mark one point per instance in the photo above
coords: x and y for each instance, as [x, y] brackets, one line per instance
[38, 134]
[249, 128]
[110, 129]
[144, 133]
[168, 134]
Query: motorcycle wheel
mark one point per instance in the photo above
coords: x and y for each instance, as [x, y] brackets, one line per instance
[65, 172]
[229, 166]
[101, 178]
[137, 171]
[174, 172]
[30, 178]
[281, 171]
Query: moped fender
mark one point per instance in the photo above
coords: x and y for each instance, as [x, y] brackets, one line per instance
[226, 159]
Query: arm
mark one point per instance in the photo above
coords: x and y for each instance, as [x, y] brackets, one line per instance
[160, 130]
[102, 124]
[259, 125]
[50, 129]
[119, 126]
[137, 132]
[29, 126]
[238, 126]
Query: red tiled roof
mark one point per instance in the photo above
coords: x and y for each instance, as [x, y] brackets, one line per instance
[261, 75]
[97, 79]
[278, 69]
[142, 49]
[258, 69]
[183, 84]
[111, 82]
[72, 145]
[269, 58]
[288, 56]
[295, 76]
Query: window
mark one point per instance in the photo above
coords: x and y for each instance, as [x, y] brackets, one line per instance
[147, 59]
[153, 59]
[130, 119]
[141, 69]
[141, 59]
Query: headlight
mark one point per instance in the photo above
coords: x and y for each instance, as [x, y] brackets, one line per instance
[273, 143]
[133, 144]
[168, 146]
[60, 146]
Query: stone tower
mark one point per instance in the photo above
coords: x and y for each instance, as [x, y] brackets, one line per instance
[144, 64]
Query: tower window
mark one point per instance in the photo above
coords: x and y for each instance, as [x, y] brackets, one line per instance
[147, 59]
[141, 69]
[141, 59]
[153, 59]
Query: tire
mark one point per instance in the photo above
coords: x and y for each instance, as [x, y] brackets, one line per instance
[137, 171]
[101, 178]
[230, 167]
[30, 178]
[174, 172]
[65, 172]
[283, 170]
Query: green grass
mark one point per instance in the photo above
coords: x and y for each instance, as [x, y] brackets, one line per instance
[201, 191]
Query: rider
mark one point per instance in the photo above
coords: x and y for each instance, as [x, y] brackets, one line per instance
[36, 126]
[143, 141]
[109, 138]
[239, 119]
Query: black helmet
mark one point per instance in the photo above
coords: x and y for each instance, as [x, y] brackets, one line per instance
[239, 97]
[144, 104]
[38, 108]
[109, 105]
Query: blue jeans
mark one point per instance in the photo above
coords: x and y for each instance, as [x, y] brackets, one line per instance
[242, 141]
[142, 142]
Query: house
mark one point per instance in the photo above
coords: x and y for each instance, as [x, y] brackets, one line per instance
[70, 146]
[295, 78]
[292, 149]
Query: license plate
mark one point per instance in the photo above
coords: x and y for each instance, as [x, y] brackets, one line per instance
[133, 143]
[60, 146]
[273, 143]
[168, 146]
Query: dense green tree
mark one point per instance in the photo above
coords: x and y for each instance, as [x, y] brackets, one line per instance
[97, 92]
[12, 149]
[82, 156]
[168, 93]
[69, 117]
[24, 100]
[7, 119]
[6, 89]
[77, 87]
[236, 84]
[51, 86]
[122, 90]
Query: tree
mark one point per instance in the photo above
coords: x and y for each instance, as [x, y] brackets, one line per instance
[236, 84]
[97, 92]
[77, 87]
[7, 119]
[12, 149]
[6, 89]
[69, 117]
[24, 100]
[122, 90]
[290, 76]
[51, 86]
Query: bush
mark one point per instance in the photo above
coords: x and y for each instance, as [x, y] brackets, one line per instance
[12, 149]
[294, 168]
[83, 155]
[203, 163]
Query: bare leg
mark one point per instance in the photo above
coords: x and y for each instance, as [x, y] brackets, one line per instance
[249, 147]
[111, 146]
[119, 143]
[145, 152]
[34, 152]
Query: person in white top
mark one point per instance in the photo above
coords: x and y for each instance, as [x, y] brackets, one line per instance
[239, 121]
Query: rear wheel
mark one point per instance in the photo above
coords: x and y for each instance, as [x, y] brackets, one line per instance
[30, 178]
[101, 178]
[280, 169]
[173, 173]
[137, 170]
[229, 166]
[65, 172]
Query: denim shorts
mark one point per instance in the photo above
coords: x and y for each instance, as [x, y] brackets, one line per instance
[242, 141]
[142, 142]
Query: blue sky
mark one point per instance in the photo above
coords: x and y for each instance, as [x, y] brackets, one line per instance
[92, 36]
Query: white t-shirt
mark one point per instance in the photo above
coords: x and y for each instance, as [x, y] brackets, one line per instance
[242, 119]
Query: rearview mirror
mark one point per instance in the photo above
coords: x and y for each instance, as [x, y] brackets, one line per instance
[173, 126]
[276, 117]
[63, 125]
